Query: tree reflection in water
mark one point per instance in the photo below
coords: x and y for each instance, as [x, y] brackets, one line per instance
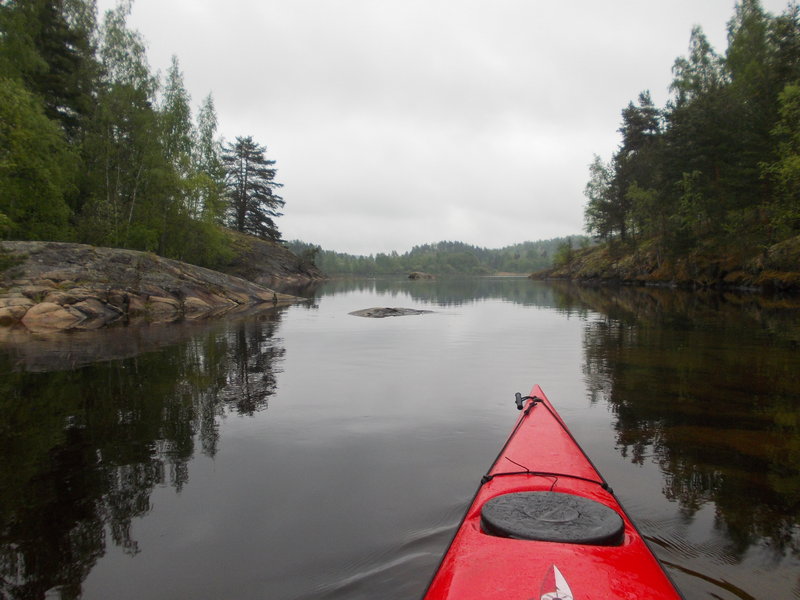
[707, 385]
[444, 291]
[83, 449]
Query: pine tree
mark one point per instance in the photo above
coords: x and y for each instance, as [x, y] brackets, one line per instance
[635, 164]
[250, 184]
[49, 45]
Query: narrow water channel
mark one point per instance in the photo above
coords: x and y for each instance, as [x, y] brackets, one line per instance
[307, 453]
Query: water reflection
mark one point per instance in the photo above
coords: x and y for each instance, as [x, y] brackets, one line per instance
[703, 398]
[706, 385]
[82, 449]
[445, 291]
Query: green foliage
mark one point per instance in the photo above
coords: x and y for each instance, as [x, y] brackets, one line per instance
[785, 171]
[94, 148]
[442, 258]
[600, 210]
[564, 253]
[718, 166]
[306, 252]
[36, 168]
[48, 45]
[175, 120]
[700, 74]
[129, 175]
[205, 196]
[7, 259]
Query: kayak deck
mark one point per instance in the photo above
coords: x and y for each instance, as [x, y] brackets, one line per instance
[541, 464]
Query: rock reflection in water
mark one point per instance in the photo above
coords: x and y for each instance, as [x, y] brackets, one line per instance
[89, 444]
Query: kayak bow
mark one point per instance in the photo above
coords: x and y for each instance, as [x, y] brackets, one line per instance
[544, 525]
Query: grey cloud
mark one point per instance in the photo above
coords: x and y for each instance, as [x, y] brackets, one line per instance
[395, 123]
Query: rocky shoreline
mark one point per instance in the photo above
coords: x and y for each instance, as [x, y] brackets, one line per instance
[47, 286]
[777, 269]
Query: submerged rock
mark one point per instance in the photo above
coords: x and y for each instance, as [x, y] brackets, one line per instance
[381, 312]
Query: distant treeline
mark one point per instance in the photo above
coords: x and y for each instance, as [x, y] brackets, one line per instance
[96, 148]
[444, 258]
[718, 169]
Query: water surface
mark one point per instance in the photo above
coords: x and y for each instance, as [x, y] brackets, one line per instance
[307, 453]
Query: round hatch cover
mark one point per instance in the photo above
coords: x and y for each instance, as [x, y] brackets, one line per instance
[552, 517]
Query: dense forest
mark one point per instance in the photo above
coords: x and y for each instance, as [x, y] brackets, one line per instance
[445, 258]
[717, 171]
[96, 148]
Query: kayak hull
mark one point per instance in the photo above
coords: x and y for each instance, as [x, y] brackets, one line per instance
[541, 456]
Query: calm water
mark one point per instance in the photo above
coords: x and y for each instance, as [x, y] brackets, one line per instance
[310, 454]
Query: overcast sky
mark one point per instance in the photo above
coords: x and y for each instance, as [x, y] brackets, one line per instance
[402, 122]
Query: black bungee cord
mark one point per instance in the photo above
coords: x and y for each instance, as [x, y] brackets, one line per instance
[520, 402]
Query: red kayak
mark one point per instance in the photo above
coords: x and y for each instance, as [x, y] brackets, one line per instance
[544, 525]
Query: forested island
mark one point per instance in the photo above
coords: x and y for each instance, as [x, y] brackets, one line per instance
[706, 191]
[445, 258]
